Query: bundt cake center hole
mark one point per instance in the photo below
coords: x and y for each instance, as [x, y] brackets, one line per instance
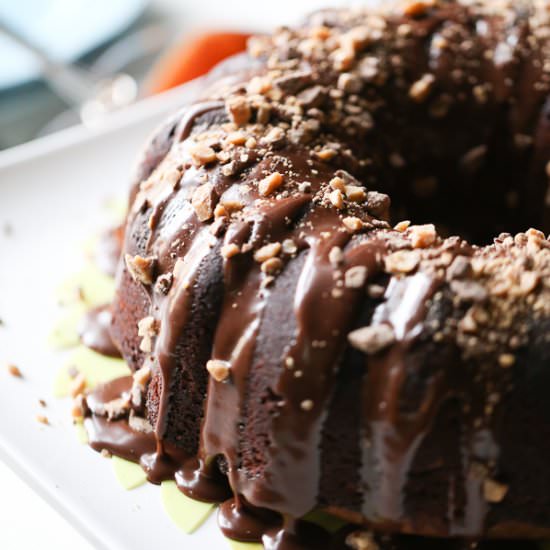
[477, 211]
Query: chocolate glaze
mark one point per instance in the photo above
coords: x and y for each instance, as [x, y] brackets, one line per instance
[459, 98]
[94, 331]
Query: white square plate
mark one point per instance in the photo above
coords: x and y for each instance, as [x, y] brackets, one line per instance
[52, 194]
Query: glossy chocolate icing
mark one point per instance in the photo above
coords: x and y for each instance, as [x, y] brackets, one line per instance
[94, 331]
[453, 92]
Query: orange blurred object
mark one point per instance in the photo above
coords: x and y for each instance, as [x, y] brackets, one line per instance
[193, 58]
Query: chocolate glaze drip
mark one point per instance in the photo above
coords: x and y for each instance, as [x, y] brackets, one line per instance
[94, 331]
[432, 106]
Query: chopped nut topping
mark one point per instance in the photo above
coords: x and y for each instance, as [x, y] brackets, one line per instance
[230, 250]
[416, 8]
[219, 370]
[164, 283]
[117, 408]
[372, 339]
[336, 198]
[239, 110]
[237, 138]
[421, 89]
[338, 184]
[139, 424]
[141, 269]
[268, 251]
[142, 376]
[326, 154]
[423, 236]
[469, 290]
[289, 247]
[402, 226]
[349, 83]
[202, 154]
[78, 385]
[42, 419]
[402, 261]
[493, 491]
[506, 360]
[270, 184]
[307, 405]
[78, 408]
[355, 193]
[203, 202]
[361, 540]
[148, 328]
[355, 277]
[15, 371]
[352, 224]
[335, 256]
[231, 206]
[272, 266]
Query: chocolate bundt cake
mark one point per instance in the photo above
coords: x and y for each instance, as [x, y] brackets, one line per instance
[296, 346]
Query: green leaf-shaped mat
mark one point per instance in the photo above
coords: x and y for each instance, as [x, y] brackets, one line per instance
[186, 513]
[65, 332]
[95, 367]
[128, 474]
[90, 286]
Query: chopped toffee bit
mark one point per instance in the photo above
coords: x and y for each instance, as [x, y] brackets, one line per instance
[142, 376]
[372, 339]
[203, 202]
[402, 261]
[148, 328]
[307, 405]
[361, 540]
[117, 408]
[355, 277]
[493, 491]
[164, 283]
[42, 419]
[78, 385]
[272, 266]
[338, 184]
[289, 247]
[337, 199]
[422, 236]
[506, 360]
[270, 184]
[355, 193]
[78, 408]
[239, 110]
[267, 251]
[336, 256]
[202, 154]
[14, 371]
[402, 226]
[352, 224]
[219, 370]
[141, 269]
[139, 424]
[421, 89]
[230, 250]
[469, 290]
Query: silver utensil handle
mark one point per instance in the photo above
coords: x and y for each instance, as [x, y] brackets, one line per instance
[73, 84]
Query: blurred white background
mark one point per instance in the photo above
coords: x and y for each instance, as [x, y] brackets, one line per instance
[105, 35]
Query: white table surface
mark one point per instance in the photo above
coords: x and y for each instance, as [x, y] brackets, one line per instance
[27, 521]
